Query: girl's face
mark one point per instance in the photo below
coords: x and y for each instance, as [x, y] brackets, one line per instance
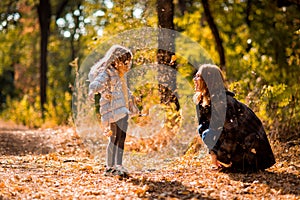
[123, 67]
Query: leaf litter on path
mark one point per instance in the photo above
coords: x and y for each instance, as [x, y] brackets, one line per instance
[66, 170]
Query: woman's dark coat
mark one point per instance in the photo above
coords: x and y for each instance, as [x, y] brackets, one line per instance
[243, 141]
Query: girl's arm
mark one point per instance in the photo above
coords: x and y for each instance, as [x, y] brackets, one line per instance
[99, 84]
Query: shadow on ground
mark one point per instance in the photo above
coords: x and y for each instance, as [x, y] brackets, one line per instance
[286, 183]
[20, 143]
[165, 189]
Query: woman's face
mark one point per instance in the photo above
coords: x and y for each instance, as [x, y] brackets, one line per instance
[198, 82]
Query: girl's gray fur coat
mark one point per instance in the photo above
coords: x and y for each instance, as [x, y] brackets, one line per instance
[108, 84]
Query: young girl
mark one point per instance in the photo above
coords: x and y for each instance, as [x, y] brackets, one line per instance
[232, 132]
[107, 78]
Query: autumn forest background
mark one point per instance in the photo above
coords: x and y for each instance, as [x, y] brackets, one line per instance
[255, 42]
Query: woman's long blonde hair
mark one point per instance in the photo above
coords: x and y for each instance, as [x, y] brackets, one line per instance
[211, 83]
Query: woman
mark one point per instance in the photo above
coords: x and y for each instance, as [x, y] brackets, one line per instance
[232, 132]
[107, 78]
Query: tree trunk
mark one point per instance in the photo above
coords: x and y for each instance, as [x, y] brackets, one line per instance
[44, 12]
[166, 53]
[215, 32]
[248, 21]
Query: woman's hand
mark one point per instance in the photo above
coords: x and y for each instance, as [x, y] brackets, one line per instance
[216, 163]
[214, 160]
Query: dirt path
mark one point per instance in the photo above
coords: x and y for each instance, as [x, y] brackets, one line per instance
[53, 164]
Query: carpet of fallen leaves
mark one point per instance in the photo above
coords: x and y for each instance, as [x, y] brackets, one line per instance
[54, 164]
